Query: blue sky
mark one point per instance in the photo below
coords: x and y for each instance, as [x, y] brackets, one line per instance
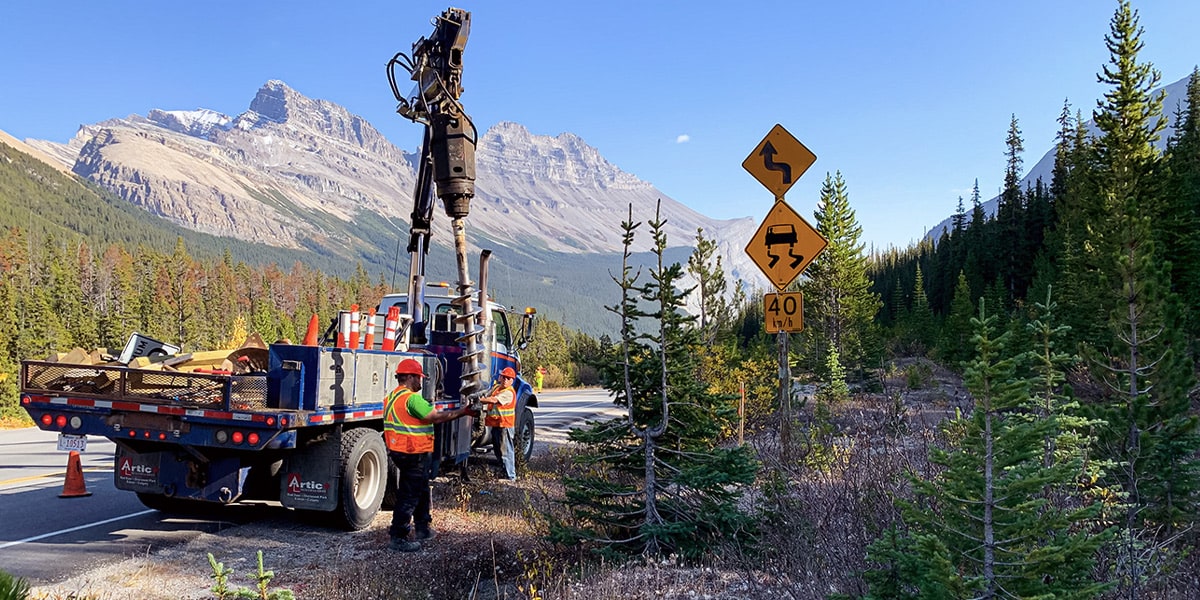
[910, 100]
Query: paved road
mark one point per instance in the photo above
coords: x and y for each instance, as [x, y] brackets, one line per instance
[45, 538]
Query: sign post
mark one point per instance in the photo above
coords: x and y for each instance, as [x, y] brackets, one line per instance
[784, 245]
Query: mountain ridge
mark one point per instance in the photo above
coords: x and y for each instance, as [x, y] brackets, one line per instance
[291, 167]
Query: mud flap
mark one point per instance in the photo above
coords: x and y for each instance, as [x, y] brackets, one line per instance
[309, 480]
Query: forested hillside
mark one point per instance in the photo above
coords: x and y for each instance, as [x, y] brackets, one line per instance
[1077, 308]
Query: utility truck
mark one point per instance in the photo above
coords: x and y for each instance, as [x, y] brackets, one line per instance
[301, 423]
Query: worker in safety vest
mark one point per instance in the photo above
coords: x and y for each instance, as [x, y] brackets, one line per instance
[408, 432]
[501, 403]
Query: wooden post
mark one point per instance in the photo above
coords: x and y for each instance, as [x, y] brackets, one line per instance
[785, 398]
[742, 414]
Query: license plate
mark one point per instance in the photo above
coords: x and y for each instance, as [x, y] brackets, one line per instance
[67, 441]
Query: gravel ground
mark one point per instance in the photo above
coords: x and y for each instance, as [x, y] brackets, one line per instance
[477, 534]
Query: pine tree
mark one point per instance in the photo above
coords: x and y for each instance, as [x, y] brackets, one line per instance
[1010, 216]
[839, 305]
[955, 346]
[656, 481]
[921, 325]
[988, 513]
[704, 265]
[1182, 205]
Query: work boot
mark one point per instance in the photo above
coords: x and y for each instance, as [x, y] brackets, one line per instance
[404, 545]
[424, 534]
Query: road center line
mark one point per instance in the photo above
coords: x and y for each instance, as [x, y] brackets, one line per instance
[76, 528]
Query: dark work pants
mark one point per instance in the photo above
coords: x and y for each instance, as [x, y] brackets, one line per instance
[412, 493]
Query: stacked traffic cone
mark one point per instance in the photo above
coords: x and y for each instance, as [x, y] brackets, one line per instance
[390, 324]
[354, 318]
[74, 486]
[310, 336]
[369, 331]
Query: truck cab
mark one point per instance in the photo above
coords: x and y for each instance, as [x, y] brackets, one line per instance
[504, 333]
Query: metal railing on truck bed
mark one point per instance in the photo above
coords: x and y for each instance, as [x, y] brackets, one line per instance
[193, 390]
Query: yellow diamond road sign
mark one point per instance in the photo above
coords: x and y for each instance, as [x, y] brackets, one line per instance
[784, 245]
[779, 160]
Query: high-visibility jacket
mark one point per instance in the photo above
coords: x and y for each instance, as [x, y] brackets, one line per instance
[503, 414]
[402, 432]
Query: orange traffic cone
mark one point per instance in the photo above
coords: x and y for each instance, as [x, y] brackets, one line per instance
[355, 317]
[390, 324]
[74, 487]
[310, 336]
[369, 331]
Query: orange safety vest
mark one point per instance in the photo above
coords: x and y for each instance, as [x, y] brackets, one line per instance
[503, 414]
[403, 432]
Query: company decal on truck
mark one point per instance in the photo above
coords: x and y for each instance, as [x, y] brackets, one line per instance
[137, 472]
[301, 491]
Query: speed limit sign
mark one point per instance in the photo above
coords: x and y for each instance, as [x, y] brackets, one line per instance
[784, 312]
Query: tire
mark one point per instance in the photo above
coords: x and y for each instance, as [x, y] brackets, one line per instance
[363, 481]
[523, 437]
[393, 487]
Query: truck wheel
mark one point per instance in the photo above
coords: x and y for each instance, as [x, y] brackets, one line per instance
[363, 477]
[523, 436]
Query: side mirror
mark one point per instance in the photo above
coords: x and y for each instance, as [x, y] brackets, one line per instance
[527, 326]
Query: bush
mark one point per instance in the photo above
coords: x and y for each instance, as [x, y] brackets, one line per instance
[13, 588]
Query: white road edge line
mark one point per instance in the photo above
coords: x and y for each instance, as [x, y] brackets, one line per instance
[77, 528]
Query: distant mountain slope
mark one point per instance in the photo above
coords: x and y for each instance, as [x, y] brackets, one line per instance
[295, 172]
[571, 288]
[1175, 101]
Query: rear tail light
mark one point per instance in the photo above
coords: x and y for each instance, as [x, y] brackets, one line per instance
[238, 437]
[253, 439]
[61, 421]
[47, 419]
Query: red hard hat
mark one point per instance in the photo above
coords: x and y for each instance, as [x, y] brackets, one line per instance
[508, 372]
[409, 366]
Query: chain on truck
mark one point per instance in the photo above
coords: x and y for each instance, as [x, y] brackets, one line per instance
[301, 424]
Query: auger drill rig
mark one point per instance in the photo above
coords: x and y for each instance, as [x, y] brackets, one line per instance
[447, 159]
[447, 165]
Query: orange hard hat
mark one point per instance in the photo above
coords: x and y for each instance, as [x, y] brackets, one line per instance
[409, 366]
[508, 372]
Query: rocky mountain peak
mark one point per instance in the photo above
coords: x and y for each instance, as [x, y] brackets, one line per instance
[510, 151]
[278, 104]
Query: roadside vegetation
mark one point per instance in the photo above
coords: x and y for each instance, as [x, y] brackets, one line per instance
[1010, 412]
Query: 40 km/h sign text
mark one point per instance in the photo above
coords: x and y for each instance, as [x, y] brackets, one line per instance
[784, 312]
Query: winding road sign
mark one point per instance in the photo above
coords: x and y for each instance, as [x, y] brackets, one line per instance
[779, 160]
[784, 245]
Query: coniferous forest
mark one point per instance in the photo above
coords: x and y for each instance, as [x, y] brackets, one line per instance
[1071, 316]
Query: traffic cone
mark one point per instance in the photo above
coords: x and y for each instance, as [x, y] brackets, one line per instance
[310, 336]
[354, 318]
[369, 331]
[390, 324]
[74, 487]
